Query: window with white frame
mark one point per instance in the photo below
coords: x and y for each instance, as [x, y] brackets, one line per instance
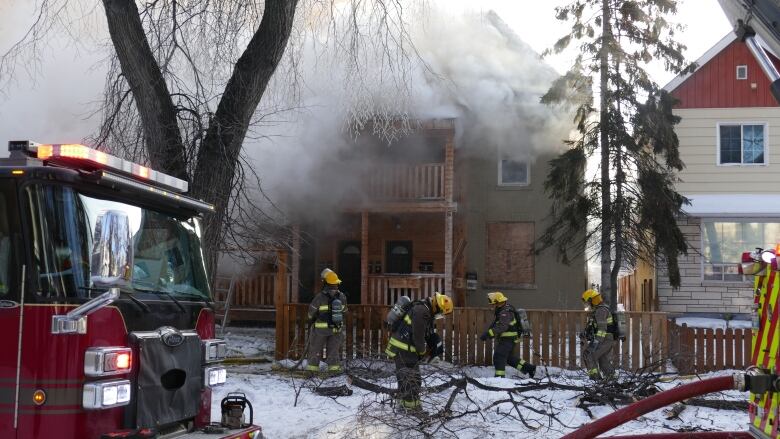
[513, 172]
[741, 144]
[741, 72]
[723, 242]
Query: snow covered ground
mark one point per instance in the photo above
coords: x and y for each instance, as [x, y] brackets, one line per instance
[702, 322]
[366, 414]
[249, 342]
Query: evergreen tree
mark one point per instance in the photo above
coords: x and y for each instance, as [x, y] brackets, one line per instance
[628, 209]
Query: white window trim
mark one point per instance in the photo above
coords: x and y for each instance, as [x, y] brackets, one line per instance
[527, 173]
[746, 278]
[742, 149]
[746, 72]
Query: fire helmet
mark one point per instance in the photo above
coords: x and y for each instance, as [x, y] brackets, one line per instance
[330, 277]
[496, 297]
[591, 296]
[443, 303]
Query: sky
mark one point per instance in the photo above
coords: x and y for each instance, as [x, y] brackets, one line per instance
[56, 104]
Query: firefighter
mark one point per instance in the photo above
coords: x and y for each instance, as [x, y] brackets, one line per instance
[598, 353]
[326, 320]
[412, 340]
[506, 330]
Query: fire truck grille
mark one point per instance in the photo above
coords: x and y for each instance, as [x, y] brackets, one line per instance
[169, 376]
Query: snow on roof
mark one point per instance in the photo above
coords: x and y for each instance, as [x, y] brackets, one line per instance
[733, 205]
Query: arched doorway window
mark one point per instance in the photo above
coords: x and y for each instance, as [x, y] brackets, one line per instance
[399, 257]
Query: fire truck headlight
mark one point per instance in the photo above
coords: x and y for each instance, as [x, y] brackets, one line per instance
[214, 376]
[107, 361]
[214, 350]
[106, 394]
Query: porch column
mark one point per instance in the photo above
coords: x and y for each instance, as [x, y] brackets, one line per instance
[448, 253]
[364, 258]
[296, 263]
[280, 300]
[449, 167]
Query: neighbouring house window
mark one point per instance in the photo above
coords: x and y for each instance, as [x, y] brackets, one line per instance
[512, 172]
[742, 72]
[509, 261]
[724, 241]
[741, 144]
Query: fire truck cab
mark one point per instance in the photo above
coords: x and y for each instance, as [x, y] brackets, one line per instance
[106, 322]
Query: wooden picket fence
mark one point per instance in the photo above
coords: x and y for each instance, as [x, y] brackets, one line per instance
[554, 337]
[697, 350]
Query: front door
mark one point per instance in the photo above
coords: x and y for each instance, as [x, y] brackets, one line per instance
[10, 309]
[348, 270]
[399, 257]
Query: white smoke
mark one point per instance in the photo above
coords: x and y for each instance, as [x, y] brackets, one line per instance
[471, 67]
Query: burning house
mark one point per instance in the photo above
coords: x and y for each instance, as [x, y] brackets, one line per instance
[452, 201]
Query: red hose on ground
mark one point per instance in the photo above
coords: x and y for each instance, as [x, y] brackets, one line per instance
[654, 402]
[691, 435]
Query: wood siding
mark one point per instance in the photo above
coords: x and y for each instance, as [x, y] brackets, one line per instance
[715, 84]
[698, 135]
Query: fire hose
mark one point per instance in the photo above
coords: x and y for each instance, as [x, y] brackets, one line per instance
[657, 401]
[691, 435]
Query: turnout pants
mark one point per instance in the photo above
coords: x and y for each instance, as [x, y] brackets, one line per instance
[320, 338]
[504, 353]
[407, 371]
[598, 357]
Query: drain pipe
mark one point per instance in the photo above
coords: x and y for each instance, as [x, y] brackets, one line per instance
[659, 400]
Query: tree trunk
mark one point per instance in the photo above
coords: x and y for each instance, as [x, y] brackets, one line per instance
[219, 153]
[606, 196]
[152, 98]
[619, 243]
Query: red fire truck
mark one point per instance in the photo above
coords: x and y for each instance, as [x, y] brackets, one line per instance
[105, 307]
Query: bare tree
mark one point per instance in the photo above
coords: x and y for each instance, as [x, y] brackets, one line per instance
[187, 78]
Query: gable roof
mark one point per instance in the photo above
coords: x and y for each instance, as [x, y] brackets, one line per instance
[704, 59]
[709, 55]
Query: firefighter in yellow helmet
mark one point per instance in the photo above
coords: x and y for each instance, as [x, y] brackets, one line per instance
[326, 320]
[600, 340]
[506, 330]
[414, 339]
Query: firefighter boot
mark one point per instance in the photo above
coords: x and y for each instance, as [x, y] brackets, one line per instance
[528, 369]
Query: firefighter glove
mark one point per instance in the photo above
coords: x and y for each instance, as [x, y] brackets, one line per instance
[484, 336]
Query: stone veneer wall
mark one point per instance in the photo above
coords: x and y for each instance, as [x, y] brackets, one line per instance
[695, 295]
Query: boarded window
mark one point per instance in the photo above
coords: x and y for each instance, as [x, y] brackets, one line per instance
[509, 260]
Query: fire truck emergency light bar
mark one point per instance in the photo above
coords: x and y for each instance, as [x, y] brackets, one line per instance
[96, 159]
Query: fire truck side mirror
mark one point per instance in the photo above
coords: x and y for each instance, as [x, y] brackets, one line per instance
[111, 264]
[111, 267]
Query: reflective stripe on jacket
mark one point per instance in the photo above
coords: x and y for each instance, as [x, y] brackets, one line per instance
[504, 323]
[319, 308]
[599, 321]
[411, 333]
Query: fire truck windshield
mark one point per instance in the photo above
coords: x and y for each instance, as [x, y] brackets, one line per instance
[167, 253]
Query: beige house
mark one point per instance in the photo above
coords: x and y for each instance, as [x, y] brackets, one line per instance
[729, 137]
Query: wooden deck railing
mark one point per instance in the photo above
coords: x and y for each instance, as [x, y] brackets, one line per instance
[386, 289]
[253, 296]
[553, 340]
[696, 350]
[406, 182]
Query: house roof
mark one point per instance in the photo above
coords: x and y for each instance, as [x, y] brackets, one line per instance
[709, 55]
[734, 205]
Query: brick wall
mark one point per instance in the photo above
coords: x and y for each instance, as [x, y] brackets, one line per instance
[695, 295]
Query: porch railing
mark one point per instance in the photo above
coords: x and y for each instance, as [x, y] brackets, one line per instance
[386, 289]
[406, 182]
